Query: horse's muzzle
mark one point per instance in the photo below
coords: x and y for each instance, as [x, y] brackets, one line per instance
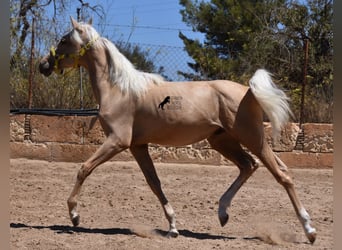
[46, 65]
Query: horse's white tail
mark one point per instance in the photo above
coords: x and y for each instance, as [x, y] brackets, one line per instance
[273, 100]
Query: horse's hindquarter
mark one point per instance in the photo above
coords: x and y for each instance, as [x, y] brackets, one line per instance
[180, 113]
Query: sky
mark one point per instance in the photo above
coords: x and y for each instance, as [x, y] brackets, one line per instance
[156, 22]
[145, 22]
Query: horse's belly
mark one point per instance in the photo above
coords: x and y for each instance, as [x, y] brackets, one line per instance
[176, 135]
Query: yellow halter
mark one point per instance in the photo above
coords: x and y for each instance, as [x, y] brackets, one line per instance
[75, 56]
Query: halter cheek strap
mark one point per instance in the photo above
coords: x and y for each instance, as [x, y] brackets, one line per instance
[75, 56]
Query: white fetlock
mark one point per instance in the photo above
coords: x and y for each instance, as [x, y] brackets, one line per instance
[75, 218]
[311, 233]
[173, 233]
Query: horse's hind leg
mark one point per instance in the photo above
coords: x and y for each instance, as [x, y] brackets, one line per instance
[267, 157]
[231, 149]
[144, 160]
[281, 164]
[262, 150]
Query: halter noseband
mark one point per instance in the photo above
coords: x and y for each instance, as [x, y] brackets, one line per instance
[75, 56]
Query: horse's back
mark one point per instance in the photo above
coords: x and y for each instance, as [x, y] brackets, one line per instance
[229, 89]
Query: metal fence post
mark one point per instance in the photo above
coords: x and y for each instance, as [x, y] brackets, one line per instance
[27, 122]
[305, 72]
[78, 10]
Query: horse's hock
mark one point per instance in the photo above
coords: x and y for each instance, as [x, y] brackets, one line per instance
[75, 138]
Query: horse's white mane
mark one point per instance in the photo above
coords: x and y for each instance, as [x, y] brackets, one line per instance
[122, 72]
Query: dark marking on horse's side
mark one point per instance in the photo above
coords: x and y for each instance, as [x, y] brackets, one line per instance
[166, 100]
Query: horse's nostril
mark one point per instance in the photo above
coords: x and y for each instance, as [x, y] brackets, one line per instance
[43, 66]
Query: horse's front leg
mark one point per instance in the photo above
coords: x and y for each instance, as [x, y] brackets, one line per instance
[107, 150]
[144, 160]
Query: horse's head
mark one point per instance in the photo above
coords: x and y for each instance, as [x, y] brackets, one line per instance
[70, 49]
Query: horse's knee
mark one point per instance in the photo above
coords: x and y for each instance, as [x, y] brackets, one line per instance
[82, 173]
[284, 180]
[247, 164]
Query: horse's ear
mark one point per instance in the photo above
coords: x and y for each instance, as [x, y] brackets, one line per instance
[90, 22]
[73, 22]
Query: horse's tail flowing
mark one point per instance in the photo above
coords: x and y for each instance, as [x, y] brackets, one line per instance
[272, 100]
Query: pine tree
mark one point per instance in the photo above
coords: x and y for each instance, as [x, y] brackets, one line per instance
[241, 36]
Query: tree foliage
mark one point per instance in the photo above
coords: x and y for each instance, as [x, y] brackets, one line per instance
[241, 36]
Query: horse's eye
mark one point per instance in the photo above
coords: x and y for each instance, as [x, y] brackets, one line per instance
[63, 41]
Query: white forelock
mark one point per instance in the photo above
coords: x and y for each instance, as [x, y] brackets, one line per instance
[91, 34]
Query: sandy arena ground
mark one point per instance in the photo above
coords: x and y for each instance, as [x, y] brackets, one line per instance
[119, 211]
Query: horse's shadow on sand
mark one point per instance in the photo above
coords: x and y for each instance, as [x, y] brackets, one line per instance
[63, 229]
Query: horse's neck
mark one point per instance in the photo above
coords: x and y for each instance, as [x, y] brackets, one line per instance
[99, 76]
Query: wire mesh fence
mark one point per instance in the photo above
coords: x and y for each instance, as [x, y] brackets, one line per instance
[69, 92]
[169, 60]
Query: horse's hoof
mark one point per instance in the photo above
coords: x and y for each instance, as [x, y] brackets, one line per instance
[223, 219]
[75, 220]
[312, 236]
[173, 233]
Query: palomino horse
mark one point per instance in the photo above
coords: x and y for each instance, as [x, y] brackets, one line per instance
[225, 113]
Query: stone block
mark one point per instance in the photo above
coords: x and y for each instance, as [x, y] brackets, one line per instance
[287, 139]
[186, 154]
[299, 159]
[93, 132]
[30, 150]
[81, 153]
[71, 152]
[17, 129]
[318, 138]
[57, 129]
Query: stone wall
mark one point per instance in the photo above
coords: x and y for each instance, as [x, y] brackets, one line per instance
[75, 138]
